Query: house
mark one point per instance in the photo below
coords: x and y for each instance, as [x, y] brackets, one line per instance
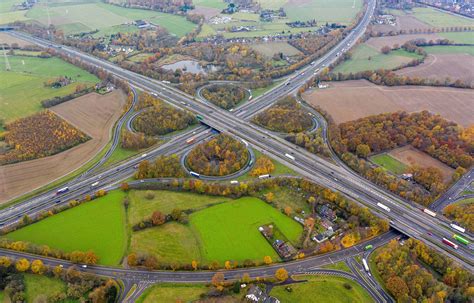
[326, 212]
[256, 294]
[142, 24]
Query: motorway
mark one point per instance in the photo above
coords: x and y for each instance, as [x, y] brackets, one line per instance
[403, 215]
[303, 266]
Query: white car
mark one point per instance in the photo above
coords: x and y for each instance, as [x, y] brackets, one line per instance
[84, 266]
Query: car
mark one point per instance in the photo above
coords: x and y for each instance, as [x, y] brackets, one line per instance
[429, 233]
[84, 266]
[60, 265]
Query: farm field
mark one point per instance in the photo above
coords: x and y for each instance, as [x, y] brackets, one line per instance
[339, 11]
[411, 156]
[462, 37]
[75, 18]
[442, 63]
[350, 100]
[271, 48]
[172, 293]
[365, 57]
[451, 50]
[23, 87]
[229, 231]
[431, 18]
[388, 162]
[97, 225]
[37, 285]
[95, 115]
[436, 18]
[165, 201]
[379, 42]
[321, 289]
[5, 38]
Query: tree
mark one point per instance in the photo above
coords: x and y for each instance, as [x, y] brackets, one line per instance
[90, 257]
[194, 265]
[363, 150]
[22, 265]
[158, 218]
[218, 281]
[386, 49]
[5, 261]
[269, 197]
[281, 274]
[397, 287]
[267, 260]
[132, 259]
[288, 210]
[57, 271]
[124, 186]
[245, 278]
[228, 265]
[37, 267]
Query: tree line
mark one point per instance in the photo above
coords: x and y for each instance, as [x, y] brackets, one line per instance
[285, 116]
[413, 272]
[222, 155]
[80, 286]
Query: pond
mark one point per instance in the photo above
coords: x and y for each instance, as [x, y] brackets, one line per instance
[191, 66]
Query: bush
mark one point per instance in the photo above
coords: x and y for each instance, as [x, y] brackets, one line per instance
[347, 286]
[150, 195]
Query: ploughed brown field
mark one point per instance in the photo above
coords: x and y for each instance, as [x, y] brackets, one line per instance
[95, 115]
[409, 155]
[379, 42]
[350, 100]
[440, 66]
[5, 38]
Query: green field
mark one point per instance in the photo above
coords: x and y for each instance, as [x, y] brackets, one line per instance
[460, 37]
[388, 162]
[170, 243]
[36, 285]
[322, 289]
[75, 18]
[23, 86]
[172, 293]
[365, 57]
[450, 50]
[219, 4]
[338, 11]
[97, 225]
[165, 201]
[439, 19]
[229, 231]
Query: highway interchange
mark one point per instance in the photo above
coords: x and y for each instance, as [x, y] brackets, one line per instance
[403, 215]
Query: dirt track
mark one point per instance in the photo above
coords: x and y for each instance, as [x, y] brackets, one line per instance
[350, 100]
[95, 115]
[440, 66]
